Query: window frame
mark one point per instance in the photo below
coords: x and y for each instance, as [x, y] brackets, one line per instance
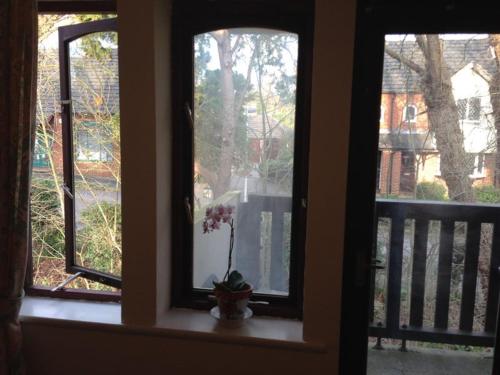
[468, 108]
[84, 135]
[479, 166]
[405, 113]
[68, 34]
[375, 19]
[69, 7]
[200, 17]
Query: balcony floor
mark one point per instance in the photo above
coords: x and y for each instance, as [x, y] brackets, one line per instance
[418, 361]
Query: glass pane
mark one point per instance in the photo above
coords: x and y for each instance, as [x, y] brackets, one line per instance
[440, 253]
[244, 127]
[96, 140]
[47, 198]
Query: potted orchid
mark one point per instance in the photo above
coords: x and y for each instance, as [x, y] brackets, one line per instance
[233, 292]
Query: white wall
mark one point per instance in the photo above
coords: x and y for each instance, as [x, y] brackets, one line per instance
[478, 136]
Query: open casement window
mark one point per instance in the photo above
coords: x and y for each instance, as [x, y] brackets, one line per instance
[89, 114]
[241, 139]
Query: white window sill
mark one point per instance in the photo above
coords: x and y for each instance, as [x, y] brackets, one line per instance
[177, 323]
[40, 308]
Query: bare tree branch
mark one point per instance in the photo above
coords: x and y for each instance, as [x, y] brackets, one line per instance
[403, 60]
[422, 43]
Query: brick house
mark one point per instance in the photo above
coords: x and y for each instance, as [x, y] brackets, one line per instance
[95, 104]
[407, 149]
[263, 138]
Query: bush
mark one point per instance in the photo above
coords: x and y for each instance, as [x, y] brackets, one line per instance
[99, 238]
[432, 191]
[43, 192]
[47, 222]
[487, 194]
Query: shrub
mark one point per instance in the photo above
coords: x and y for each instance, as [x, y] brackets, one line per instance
[43, 192]
[99, 238]
[433, 191]
[487, 194]
[47, 223]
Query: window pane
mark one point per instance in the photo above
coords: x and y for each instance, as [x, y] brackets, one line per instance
[442, 251]
[244, 122]
[410, 113]
[96, 140]
[462, 108]
[47, 198]
[474, 109]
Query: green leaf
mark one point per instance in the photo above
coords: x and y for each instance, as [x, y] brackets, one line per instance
[221, 286]
[236, 281]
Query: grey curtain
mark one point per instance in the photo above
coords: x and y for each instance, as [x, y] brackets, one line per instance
[18, 48]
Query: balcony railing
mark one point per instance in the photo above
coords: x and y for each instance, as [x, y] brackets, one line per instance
[249, 260]
[470, 221]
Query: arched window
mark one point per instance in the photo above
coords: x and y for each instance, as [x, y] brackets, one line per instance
[410, 113]
[254, 159]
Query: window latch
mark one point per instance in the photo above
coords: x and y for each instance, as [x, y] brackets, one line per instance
[66, 282]
[303, 202]
[189, 115]
[67, 191]
[189, 211]
[64, 103]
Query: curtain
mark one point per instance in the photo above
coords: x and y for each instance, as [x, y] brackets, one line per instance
[18, 27]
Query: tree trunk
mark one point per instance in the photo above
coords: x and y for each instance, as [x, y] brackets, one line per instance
[495, 102]
[442, 111]
[228, 119]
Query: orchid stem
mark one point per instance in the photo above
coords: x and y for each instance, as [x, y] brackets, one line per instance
[230, 259]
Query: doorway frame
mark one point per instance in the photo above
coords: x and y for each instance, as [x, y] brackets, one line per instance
[375, 19]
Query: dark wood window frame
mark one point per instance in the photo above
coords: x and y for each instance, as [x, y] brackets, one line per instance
[375, 19]
[62, 7]
[195, 17]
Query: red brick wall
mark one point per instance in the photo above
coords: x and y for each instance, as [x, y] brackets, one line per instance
[394, 104]
[97, 169]
[390, 175]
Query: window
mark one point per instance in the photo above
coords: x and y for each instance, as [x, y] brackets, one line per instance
[243, 139]
[410, 113]
[76, 184]
[469, 109]
[478, 170]
[382, 113]
[93, 142]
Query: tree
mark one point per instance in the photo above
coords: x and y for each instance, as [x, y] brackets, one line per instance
[494, 89]
[246, 61]
[442, 113]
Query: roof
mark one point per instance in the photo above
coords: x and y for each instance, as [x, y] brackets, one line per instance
[398, 78]
[94, 84]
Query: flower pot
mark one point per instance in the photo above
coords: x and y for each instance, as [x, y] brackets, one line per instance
[233, 305]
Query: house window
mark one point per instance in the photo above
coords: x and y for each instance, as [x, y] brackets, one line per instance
[382, 113]
[93, 142]
[245, 129]
[410, 113]
[469, 109]
[76, 183]
[478, 169]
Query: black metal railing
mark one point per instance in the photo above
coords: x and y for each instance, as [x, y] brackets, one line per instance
[411, 326]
